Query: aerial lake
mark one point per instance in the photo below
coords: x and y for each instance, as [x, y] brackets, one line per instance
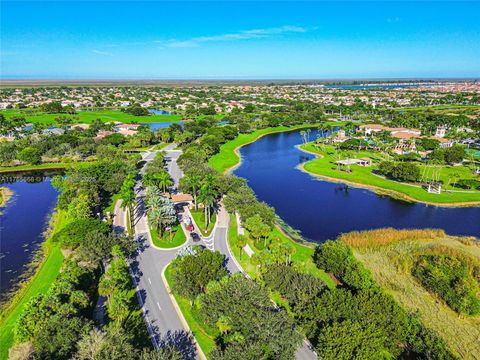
[23, 221]
[322, 210]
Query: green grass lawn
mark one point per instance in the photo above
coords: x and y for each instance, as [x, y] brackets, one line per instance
[303, 257]
[45, 166]
[178, 237]
[204, 336]
[38, 284]
[325, 166]
[87, 117]
[199, 217]
[227, 158]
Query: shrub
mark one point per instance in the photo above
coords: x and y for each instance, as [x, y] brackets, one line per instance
[405, 171]
[331, 256]
[73, 234]
[470, 184]
[298, 288]
[30, 155]
[337, 257]
[192, 273]
[451, 278]
[351, 340]
[249, 321]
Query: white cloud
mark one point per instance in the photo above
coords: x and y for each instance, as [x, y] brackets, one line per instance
[241, 35]
[104, 53]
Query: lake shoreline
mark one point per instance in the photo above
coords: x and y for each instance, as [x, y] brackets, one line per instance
[379, 190]
[273, 130]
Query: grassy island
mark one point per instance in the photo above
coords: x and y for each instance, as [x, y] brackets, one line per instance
[167, 240]
[324, 166]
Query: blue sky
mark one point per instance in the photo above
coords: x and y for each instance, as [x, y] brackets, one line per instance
[191, 40]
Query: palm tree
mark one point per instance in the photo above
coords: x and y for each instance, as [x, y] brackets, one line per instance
[155, 218]
[164, 181]
[240, 242]
[128, 202]
[288, 250]
[193, 183]
[207, 196]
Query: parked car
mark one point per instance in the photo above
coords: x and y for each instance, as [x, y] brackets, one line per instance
[195, 237]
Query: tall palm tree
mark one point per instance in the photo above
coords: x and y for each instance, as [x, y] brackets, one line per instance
[128, 202]
[207, 195]
[164, 181]
[193, 183]
[240, 242]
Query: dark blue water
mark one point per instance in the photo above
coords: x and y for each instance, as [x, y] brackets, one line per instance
[322, 210]
[155, 126]
[159, 112]
[22, 223]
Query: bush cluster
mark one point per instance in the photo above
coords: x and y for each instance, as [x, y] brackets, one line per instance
[452, 279]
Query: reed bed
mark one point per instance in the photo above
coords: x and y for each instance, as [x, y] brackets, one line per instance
[373, 239]
[391, 267]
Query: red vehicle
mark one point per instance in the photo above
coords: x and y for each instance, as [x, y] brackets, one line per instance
[190, 227]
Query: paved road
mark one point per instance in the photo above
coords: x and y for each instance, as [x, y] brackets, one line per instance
[163, 322]
[221, 245]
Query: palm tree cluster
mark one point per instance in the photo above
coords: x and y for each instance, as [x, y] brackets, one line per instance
[161, 211]
[160, 179]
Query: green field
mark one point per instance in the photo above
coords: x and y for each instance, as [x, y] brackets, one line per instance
[205, 337]
[227, 158]
[363, 176]
[178, 238]
[87, 117]
[38, 284]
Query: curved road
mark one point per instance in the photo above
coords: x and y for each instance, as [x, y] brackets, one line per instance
[164, 325]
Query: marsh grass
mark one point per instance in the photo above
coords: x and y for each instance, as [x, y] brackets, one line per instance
[374, 239]
[391, 257]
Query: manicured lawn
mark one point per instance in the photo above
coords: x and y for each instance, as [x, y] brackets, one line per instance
[45, 166]
[227, 158]
[205, 337]
[325, 166]
[178, 237]
[38, 284]
[87, 117]
[199, 217]
[302, 258]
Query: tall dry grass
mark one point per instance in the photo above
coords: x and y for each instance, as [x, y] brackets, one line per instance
[373, 239]
[391, 268]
